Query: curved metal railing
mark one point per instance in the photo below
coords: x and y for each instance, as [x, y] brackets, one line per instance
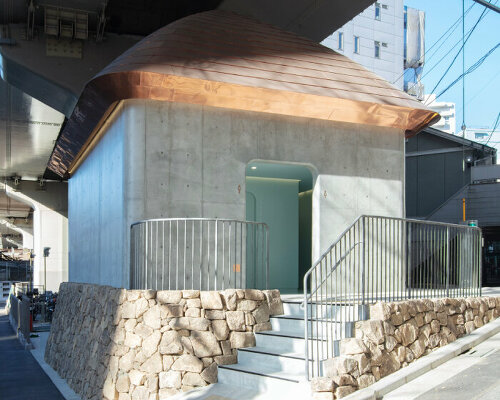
[199, 253]
[384, 259]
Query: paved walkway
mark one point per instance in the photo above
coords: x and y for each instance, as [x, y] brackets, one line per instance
[21, 377]
[473, 375]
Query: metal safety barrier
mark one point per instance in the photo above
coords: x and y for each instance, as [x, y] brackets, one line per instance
[199, 253]
[384, 259]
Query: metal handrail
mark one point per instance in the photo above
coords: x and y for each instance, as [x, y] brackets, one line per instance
[384, 259]
[199, 253]
[333, 268]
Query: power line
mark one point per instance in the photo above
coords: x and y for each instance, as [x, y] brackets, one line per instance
[472, 68]
[494, 127]
[460, 50]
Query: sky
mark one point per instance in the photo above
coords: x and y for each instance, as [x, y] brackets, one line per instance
[482, 87]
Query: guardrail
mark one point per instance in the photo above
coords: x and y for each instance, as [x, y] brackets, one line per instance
[384, 259]
[199, 253]
[19, 315]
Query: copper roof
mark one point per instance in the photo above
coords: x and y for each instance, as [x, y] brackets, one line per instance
[226, 60]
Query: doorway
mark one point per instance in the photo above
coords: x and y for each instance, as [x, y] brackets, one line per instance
[280, 195]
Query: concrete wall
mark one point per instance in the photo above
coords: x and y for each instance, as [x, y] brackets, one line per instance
[183, 160]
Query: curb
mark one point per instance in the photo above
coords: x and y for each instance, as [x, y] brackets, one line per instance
[426, 363]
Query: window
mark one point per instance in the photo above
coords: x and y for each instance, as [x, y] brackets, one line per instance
[377, 49]
[356, 44]
[341, 41]
[377, 11]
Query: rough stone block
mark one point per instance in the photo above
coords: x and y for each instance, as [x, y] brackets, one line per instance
[253, 294]
[171, 310]
[274, 302]
[189, 363]
[136, 377]
[264, 326]
[230, 299]
[123, 383]
[170, 343]
[215, 314]
[190, 294]
[168, 296]
[209, 374]
[152, 365]
[192, 312]
[220, 329]
[211, 300]
[321, 384]
[339, 366]
[343, 391]
[352, 346]
[261, 314]
[246, 305]
[380, 311]
[170, 379]
[345, 380]
[193, 303]
[372, 330]
[242, 339]
[226, 359]
[365, 380]
[205, 344]
[236, 320]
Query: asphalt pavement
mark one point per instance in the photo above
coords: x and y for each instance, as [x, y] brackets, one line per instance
[21, 377]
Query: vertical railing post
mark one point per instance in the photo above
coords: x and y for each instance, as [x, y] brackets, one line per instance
[363, 267]
[447, 261]
[408, 258]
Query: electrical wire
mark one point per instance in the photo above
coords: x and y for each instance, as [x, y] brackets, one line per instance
[471, 69]
[494, 127]
[460, 50]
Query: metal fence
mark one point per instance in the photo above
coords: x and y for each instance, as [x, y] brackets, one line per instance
[199, 253]
[384, 259]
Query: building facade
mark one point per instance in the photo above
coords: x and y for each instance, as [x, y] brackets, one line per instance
[375, 39]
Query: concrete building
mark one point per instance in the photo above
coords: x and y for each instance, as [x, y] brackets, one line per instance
[447, 123]
[179, 139]
[375, 39]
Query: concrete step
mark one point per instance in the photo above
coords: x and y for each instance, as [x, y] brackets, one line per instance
[266, 379]
[321, 328]
[289, 363]
[221, 391]
[294, 308]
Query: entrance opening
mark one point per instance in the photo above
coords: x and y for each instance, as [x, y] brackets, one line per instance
[280, 194]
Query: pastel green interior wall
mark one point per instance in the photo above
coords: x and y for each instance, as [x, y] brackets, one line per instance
[276, 202]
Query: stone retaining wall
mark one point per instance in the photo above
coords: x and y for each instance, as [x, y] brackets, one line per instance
[119, 344]
[397, 334]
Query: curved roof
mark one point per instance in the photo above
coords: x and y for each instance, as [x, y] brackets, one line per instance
[222, 59]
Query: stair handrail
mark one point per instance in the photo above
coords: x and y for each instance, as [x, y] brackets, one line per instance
[398, 259]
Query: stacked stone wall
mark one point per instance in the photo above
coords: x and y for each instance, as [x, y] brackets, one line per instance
[118, 344]
[396, 335]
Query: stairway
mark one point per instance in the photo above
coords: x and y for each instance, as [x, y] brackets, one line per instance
[275, 367]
